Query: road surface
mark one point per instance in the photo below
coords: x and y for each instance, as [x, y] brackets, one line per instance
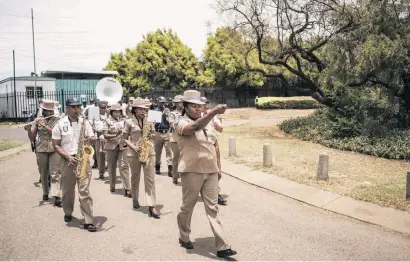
[260, 225]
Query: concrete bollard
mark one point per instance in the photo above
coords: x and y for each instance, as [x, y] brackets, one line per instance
[408, 185]
[232, 146]
[267, 155]
[323, 167]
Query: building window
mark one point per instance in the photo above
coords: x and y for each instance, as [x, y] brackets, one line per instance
[30, 92]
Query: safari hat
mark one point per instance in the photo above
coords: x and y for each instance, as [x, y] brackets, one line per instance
[147, 102]
[57, 104]
[139, 103]
[48, 105]
[203, 99]
[131, 98]
[177, 99]
[103, 104]
[115, 107]
[192, 96]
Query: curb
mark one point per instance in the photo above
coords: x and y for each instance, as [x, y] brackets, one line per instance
[14, 151]
[367, 212]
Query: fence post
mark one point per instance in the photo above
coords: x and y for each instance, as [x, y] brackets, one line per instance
[232, 146]
[408, 185]
[267, 155]
[323, 167]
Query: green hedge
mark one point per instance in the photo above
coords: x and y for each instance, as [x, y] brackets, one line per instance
[319, 129]
[296, 102]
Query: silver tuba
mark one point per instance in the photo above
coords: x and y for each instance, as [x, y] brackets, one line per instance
[109, 89]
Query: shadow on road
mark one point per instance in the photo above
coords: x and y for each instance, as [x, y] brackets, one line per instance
[206, 247]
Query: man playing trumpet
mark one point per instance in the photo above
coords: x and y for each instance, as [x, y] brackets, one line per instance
[48, 160]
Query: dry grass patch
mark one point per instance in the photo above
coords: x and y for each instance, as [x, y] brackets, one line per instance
[362, 177]
[7, 144]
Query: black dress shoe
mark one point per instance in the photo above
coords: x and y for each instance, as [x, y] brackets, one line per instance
[221, 201]
[158, 169]
[135, 204]
[127, 194]
[101, 176]
[90, 227]
[45, 197]
[67, 218]
[187, 245]
[57, 202]
[170, 171]
[175, 181]
[112, 190]
[226, 253]
[152, 214]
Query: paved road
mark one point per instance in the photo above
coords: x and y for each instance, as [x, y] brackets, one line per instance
[259, 224]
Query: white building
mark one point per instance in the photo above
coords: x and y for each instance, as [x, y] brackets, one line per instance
[23, 99]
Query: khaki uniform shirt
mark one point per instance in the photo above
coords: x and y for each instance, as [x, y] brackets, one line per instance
[198, 154]
[99, 124]
[44, 140]
[113, 126]
[132, 128]
[173, 118]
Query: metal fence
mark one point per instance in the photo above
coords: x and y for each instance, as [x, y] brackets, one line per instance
[20, 106]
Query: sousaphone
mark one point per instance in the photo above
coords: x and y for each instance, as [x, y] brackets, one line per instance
[109, 89]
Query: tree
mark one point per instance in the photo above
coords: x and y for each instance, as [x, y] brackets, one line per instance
[160, 60]
[118, 63]
[224, 58]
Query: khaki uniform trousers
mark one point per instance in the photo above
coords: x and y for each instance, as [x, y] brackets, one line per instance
[162, 140]
[149, 179]
[49, 164]
[100, 157]
[207, 185]
[68, 181]
[118, 156]
[175, 159]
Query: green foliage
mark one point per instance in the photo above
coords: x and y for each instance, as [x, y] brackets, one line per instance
[160, 60]
[344, 134]
[300, 102]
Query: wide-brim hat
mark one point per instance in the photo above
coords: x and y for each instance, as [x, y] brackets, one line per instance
[103, 104]
[147, 102]
[140, 103]
[192, 96]
[177, 99]
[72, 101]
[48, 104]
[115, 107]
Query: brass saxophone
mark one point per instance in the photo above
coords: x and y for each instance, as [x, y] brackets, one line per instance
[145, 144]
[83, 153]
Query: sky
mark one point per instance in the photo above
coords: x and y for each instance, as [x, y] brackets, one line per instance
[81, 34]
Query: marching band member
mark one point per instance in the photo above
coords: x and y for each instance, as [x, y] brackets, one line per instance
[66, 137]
[173, 117]
[199, 171]
[99, 146]
[115, 149]
[47, 159]
[129, 108]
[162, 138]
[218, 127]
[132, 137]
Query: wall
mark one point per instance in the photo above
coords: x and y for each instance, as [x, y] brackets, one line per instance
[25, 104]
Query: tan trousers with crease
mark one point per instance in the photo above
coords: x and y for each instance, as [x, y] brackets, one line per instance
[207, 185]
[175, 159]
[162, 140]
[100, 157]
[118, 156]
[149, 179]
[49, 163]
[68, 181]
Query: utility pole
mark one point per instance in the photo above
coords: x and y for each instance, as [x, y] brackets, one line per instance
[14, 80]
[34, 55]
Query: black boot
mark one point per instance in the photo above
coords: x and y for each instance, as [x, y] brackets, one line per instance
[157, 169]
[57, 202]
[170, 171]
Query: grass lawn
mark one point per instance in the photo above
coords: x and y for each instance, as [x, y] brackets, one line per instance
[7, 144]
[362, 177]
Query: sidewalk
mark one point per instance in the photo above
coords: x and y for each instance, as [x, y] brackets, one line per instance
[383, 216]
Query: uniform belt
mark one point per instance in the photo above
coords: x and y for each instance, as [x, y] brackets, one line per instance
[163, 131]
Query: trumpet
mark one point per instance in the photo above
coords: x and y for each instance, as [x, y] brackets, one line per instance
[41, 118]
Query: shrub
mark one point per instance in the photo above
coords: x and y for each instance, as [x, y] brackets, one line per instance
[319, 128]
[296, 102]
